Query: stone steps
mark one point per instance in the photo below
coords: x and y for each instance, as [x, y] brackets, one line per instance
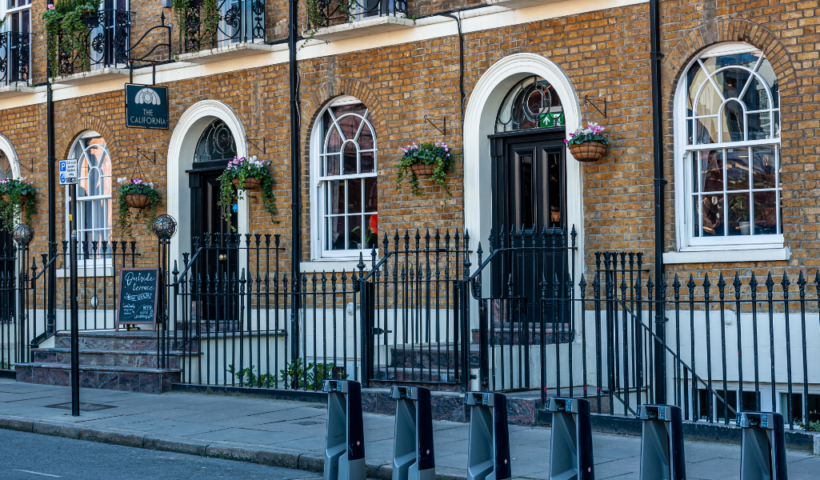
[124, 361]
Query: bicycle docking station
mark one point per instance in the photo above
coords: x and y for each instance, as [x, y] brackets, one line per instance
[662, 453]
[413, 452]
[488, 451]
[571, 440]
[344, 449]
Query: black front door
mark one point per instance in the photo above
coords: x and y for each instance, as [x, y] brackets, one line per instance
[216, 268]
[529, 212]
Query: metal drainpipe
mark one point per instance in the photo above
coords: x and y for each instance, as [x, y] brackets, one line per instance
[296, 193]
[657, 141]
[51, 315]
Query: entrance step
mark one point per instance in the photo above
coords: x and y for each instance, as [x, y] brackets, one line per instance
[124, 361]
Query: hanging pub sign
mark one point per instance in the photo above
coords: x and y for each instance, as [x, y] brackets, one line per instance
[146, 106]
[140, 290]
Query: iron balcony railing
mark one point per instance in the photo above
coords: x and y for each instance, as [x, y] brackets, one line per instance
[335, 12]
[106, 43]
[236, 21]
[15, 58]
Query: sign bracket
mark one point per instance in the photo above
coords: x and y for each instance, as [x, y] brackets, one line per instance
[264, 148]
[150, 159]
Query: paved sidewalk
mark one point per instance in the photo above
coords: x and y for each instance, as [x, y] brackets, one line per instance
[291, 434]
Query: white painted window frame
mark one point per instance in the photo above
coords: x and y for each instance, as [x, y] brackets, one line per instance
[317, 196]
[686, 242]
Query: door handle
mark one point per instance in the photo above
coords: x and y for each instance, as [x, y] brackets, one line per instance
[223, 257]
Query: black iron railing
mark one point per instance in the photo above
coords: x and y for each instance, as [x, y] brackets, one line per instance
[336, 12]
[234, 22]
[15, 58]
[106, 43]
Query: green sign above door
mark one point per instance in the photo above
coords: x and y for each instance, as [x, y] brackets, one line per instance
[146, 106]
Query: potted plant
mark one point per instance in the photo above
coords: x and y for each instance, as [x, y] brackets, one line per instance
[243, 175]
[587, 144]
[17, 198]
[428, 160]
[137, 194]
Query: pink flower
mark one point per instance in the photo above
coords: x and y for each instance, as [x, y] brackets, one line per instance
[51, 6]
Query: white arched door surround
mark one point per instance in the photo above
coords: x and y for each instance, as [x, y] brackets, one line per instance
[479, 123]
[11, 155]
[181, 158]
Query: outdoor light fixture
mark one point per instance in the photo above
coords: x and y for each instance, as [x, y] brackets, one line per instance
[23, 235]
[164, 227]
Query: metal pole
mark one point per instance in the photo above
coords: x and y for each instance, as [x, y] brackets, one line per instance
[75, 327]
[296, 195]
[660, 182]
[51, 314]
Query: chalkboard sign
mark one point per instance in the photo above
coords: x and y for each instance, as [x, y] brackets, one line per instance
[140, 289]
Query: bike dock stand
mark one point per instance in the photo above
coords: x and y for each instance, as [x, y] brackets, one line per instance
[571, 440]
[762, 446]
[662, 455]
[413, 454]
[488, 451]
[344, 449]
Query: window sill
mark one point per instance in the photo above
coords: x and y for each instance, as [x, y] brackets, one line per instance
[330, 265]
[361, 28]
[728, 256]
[87, 272]
[93, 76]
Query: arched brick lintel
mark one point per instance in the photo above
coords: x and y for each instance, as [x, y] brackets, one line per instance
[728, 30]
[84, 123]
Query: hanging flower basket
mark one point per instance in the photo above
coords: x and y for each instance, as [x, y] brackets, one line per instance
[587, 144]
[588, 151]
[137, 200]
[23, 198]
[18, 201]
[422, 170]
[251, 184]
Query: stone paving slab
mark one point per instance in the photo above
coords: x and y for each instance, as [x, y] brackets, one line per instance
[291, 434]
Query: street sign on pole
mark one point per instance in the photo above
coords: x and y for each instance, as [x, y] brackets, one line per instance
[68, 172]
[75, 319]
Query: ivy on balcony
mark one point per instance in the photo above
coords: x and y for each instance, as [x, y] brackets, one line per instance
[210, 24]
[329, 13]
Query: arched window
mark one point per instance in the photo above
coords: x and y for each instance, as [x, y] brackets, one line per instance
[731, 158]
[531, 103]
[215, 144]
[347, 195]
[94, 212]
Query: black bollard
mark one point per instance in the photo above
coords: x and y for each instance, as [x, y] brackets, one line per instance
[762, 446]
[413, 454]
[662, 456]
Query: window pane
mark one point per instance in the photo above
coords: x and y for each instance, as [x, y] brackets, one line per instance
[335, 233]
[712, 214]
[336, 196]
[708, 103]
[332, 165]
[372, 237]
[732, 118]
[366, 138]
[368, 162]
[694, 79]
[354, 196]
[732, 81]
[351, 159]
[765, 215]
[737, 169]
[696, 214]
[356, 236]
[706, 130]
[712, 170]
[350, 125]
[764, 167]
[334, 141]
[765, 70]
[371, 195]
[759, 125]
[739, 214]
[756, 96]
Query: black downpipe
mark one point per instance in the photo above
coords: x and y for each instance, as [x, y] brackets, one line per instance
[296, 167]
[657, 141]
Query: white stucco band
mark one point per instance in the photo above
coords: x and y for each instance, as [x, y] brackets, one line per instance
[479, 123]
[181, 151]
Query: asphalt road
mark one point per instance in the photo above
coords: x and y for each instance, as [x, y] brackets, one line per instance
[28, 456]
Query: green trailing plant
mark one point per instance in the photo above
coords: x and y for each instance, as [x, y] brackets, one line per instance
[592, 133]
[437, 154]
[813, 426]
[248, 378]
[311, 378]
[65, 27]
[209, 30]
[131, 187]
[242, 169]
[316, 17]
[181, 9]
[17, 198]
[210, 22]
